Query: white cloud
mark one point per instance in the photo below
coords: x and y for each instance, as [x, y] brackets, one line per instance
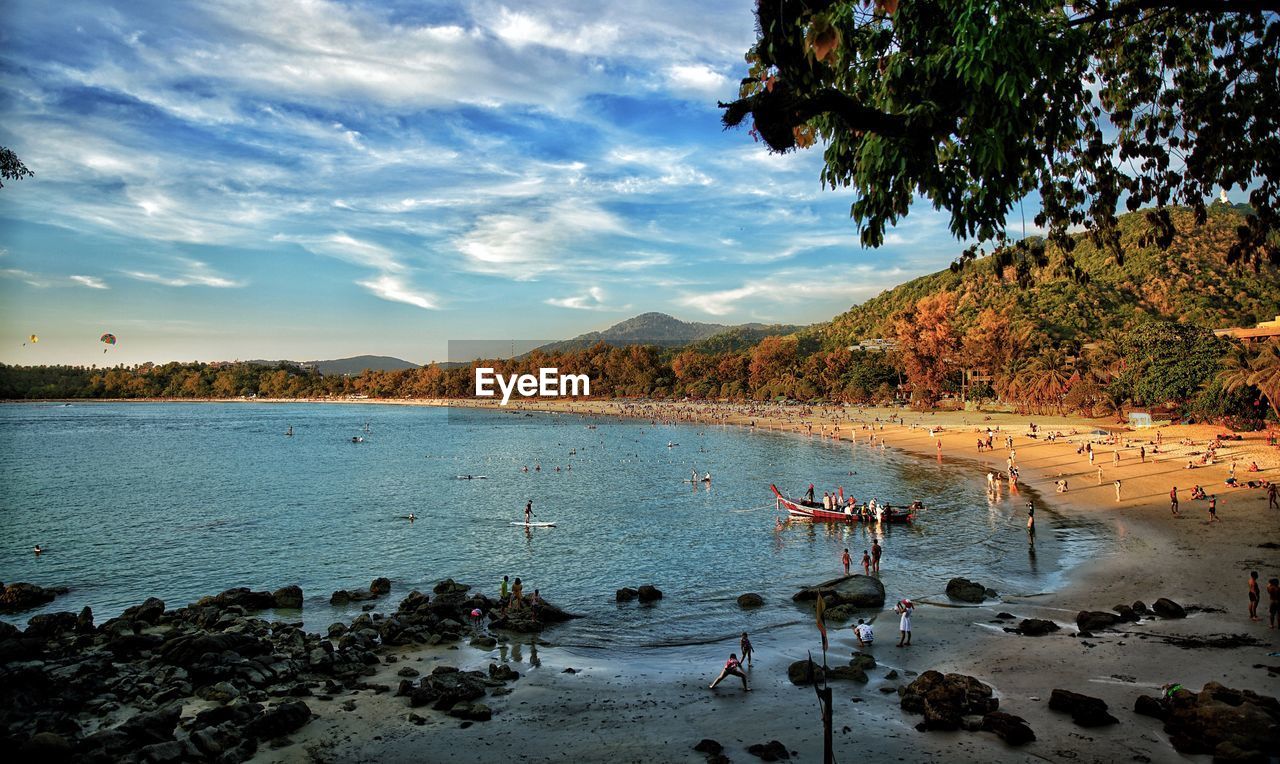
[196, 273]
[527, 244]
[342, 246]
[519, 28]
[93, 282]
[797, 285]
[393, 289]
[593, 299]
[699, 78]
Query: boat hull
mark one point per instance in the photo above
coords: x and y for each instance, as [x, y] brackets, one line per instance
[803, 510]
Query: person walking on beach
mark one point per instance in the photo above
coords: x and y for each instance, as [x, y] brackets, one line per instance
[1117, 490]
[747, 650]
[732, 666]
[866, 563]
[846, 559]
[904, 609]
[1272, 502]
[1031, 518]
[876, 551]
[1213, 508]
[1273, 594]
[1142, 452]
[1255, 594]
[1173, 500]
[1099, 474]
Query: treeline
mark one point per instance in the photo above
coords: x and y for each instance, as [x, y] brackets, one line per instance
[994, 359]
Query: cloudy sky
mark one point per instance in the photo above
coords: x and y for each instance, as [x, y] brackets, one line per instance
[313, 179]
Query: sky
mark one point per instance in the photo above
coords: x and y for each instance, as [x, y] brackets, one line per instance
[309, 179]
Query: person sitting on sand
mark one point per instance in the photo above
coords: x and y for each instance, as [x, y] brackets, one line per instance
[1231, 482]
[1253, 467]
[1197, 492]
[732, 666]
[864, 634]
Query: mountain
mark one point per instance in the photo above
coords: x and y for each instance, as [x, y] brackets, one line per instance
[1189, 281]
[353, 365]
[666, 331]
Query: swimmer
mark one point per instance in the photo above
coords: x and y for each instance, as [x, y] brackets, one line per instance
[38, 550]
[411, 517]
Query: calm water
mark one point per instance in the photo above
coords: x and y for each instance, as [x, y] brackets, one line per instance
[183, 500]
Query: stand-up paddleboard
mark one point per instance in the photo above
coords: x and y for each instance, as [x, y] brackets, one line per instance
[472, 477]
[535, 525]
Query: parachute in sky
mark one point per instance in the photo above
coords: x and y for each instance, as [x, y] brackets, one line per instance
[109, 339]
[33, 339]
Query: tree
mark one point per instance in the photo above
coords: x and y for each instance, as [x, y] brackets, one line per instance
[11, 167]
[974, 104]
[927, 342]
[1239, 370]
[774, 357]
[1168, 361]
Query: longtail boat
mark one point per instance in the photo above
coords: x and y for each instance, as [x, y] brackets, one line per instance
[813, 510]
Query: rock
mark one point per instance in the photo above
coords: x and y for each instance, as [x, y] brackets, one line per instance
[84, 621]
[1233, 725]
[148, 612]
[1009, 728]
[1126, 613]
[240, 597]
[1036, 627]
[46, 747]
[1005, 616]
[288, 597]
[893, 674]
[863, 661]
[381, 586]
[1167, 608]
[222, 692]
[15, 598]
[1094, 620]
[1084, 710]
[626, 594]
[1149, 705]
[408, 671]
[340, 597]
[1139, 607]
[944, 699]
[337, 630]
[849, 673]
[448, 688]
[965, 590]
[487, 643]
[152, 726]
[50, 625]
[770, 751]
[476, 712]
[859, 591]
[799, 673]
[751, 599]
[279, 720]
[649, 593]
[502, 672]
[708, 746]
[450, 587]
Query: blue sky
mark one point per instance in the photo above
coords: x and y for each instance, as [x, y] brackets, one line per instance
[281, 179]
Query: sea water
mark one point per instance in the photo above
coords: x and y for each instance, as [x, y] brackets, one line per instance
[178, 501]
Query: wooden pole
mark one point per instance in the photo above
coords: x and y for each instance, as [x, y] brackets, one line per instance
[828, 755]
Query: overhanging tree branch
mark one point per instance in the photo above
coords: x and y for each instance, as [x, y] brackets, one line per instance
[779, 111]
[1185, 6]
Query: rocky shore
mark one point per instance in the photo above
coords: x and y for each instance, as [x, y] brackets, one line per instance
[215, 680]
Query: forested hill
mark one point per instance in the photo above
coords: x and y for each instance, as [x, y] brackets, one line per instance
[667, 331]
[1190, 282]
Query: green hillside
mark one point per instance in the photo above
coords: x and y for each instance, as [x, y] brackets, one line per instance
[1189, 282]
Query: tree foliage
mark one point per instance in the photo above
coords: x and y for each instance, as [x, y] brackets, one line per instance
[974, 104]
[11, 167]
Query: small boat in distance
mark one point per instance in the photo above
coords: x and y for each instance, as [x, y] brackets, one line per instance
[813, 510]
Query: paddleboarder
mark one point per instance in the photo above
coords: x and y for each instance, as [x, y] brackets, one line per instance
[528, 512]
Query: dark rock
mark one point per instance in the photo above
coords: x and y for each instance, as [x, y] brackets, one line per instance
[152, 726]
[240, 596]
[476, 712]
[50, 625]
[148, 612]
[452, 687]
[450, 587]
[1126, 613]
[626, 594]
[340, 597]
[1005, 616]
[648, 593]
[944, 699]
[771, 751]
[708, 746]
[84, 621]
[859, 591]
[848, 673]
[380, 586]
[168, 752]
[893, 674]
[1149, 705]
[279, 720]
[15, 598]
[1036, 627]
[965, 590]
[1139, 607]
[487, 643]
[1167, 608]
[186, 650]
[800, 673]
[1085, 711]
[1094, 620]
[47, 747]
[1233, 725]
[863, 661]
[288, 597]
[751, 599]
[337, 629]
[131, 644]
[1009, 728]
[502, 672]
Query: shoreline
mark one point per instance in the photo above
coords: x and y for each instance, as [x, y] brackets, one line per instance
[657, 701]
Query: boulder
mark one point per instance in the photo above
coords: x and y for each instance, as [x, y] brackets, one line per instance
[483, 642]
[1167, 608]
[1085, 711]
[381, 586]
[965, 590]
[340, 597]
[863, 661]
[945, 699]
[152, 726]
[1150, 705]
[649, 593]
[279, 720]
[1095, 620]
[708, 746]
[1036, 627]
[770, 751]
[475, 712]
[799, 673]
[1232, 725]
[288, 597]
[15, 598]
[751, 599]
[626, 594]
[148, 612]
[240, 597]
[450, 687]
[1139, 607]
[1126, 613]
[84, 621]
[502, 672]
[1009, 728]
[50, 625]
[850, 673]
[859, 591]
[47, 747]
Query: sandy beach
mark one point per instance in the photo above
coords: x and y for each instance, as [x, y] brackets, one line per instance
[656, 706]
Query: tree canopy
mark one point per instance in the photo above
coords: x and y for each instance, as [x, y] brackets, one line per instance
[11, 167]
[974, 104]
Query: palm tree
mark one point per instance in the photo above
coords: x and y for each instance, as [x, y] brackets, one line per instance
[1265, 374]
[1048, 378]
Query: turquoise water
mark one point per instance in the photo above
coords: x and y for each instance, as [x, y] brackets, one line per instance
[182, 500]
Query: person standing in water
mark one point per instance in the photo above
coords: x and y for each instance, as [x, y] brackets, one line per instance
[528, 512]
[876, 551]
[846, 559]
[866, 563]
